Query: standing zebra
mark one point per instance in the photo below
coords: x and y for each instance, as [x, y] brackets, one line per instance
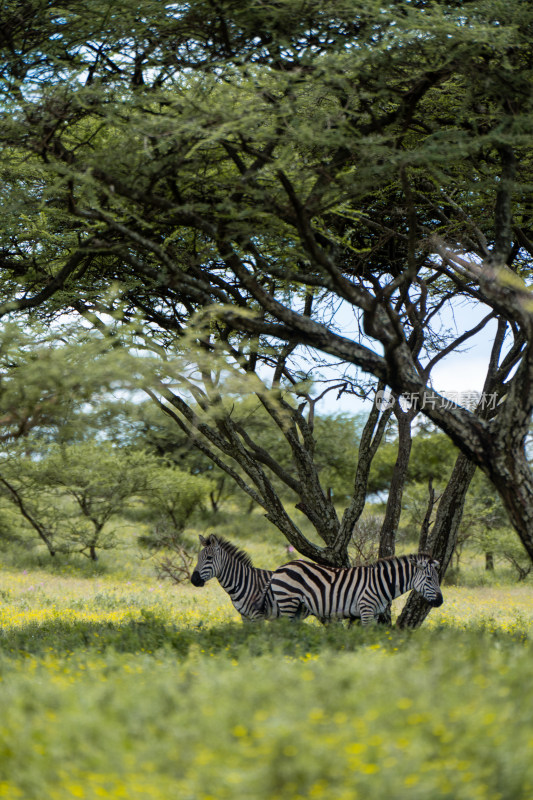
[241, 580]
[301, 587]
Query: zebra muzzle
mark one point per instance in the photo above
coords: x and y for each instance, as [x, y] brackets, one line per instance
[438, 601]
[196, 580]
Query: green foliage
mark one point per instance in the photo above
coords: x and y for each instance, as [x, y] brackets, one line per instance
[170, 499]
[502, 544]
[341, 83]
[336, 435]
[485, 527]
[43, 377]
[122, 687]
[337, 442]
[414, 506]
[57, 382]
[71, 495]
[98, 470]
[432, 456]
[11, 525]
[75, 494]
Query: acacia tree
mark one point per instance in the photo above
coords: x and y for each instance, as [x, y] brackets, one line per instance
[252, 166]
[70, 497]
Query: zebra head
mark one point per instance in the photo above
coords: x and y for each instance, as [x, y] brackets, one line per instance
[209, 561]
[426, 579]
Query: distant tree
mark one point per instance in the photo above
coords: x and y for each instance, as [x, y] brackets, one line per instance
[337, 439]
[231, 181]
[172, 498]
[168, 502]
[101, 481]
[158, 433]
[33, 505]
[337, 442]
[70, 496]
[500, 544]
[490, 530]
[432, 456]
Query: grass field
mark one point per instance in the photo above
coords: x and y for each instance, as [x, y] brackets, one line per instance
[114, 685]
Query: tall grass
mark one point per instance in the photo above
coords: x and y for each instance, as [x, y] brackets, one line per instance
[114, 685]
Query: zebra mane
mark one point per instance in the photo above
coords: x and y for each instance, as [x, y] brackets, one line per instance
[405, 557]
[231, 549]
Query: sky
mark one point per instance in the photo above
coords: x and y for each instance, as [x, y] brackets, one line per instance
[460, 372]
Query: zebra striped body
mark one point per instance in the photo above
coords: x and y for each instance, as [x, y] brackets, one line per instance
[238, 577]
[301, 588]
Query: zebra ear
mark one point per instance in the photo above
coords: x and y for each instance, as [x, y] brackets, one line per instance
[203, 541]
[424, 559]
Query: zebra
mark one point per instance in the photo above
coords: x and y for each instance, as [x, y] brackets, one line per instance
[244, 583]
[301, 588]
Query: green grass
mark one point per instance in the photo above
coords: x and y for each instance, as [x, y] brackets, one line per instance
[115, 685]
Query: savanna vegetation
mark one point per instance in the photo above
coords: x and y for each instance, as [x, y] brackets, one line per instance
[115, 683]
[217, 216]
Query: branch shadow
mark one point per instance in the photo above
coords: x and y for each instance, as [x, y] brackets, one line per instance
[151, 633]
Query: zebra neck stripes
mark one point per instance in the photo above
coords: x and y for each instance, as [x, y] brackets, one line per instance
[393, 576]
[235, 572]
[232, 573]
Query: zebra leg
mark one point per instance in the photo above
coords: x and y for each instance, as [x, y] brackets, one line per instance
[385, 617]
[351, 621]
[368, 617]
[292, 607]
[250, 620]
[301, 612]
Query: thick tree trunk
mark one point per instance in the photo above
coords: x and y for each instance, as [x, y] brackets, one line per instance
[513, 478]
[443, 537]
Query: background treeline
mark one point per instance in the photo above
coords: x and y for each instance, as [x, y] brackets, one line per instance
[97, 463]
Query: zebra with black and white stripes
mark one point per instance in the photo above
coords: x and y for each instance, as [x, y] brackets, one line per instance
[301, 588]
[244, 583]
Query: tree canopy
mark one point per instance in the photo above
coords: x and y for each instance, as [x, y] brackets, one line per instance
[223, 177]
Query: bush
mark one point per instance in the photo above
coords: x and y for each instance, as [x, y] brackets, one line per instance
[504, 545]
